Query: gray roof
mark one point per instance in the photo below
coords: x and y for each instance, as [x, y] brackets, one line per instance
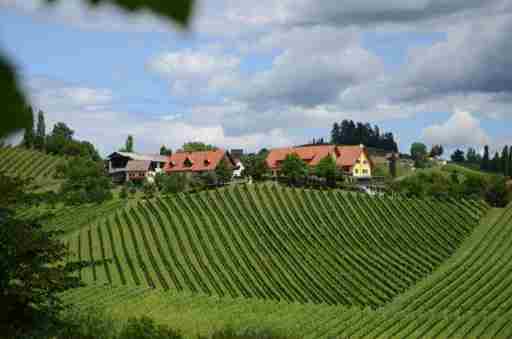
[138, 165]
[143, 157]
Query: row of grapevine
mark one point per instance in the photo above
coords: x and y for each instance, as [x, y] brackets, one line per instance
[468, 296]
[275, 243]
[25, 163]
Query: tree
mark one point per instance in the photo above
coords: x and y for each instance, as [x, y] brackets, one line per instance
[419, 154]
[294, 168]
[436, 151]
[128, 145]
[84, 182]
[197, 146]
[165, 151]
[509, 161]
[485, 164]
[255, 166]
[32, 269]
[495, 165]
[458, 156]
[223, 171]
[327, 169]
[148, 190]
[30, 135]
[505, 161]
[473, 157]
[40, 138]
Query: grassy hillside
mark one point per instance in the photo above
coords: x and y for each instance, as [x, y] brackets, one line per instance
[276, 243]
[24, 163]
[468, 296]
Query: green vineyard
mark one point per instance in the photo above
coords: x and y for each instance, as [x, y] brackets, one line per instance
[467, 295]
[279, 244]
[26, 163]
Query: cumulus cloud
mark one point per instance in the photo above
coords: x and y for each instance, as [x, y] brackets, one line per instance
[188, 70]
[461, 129]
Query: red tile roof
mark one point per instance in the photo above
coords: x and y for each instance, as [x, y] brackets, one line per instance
[200, 161]
[310, 154]
[345, 155]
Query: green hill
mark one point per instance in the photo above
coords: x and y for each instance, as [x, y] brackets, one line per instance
[26, 163]
[468, 296]
[319, 263]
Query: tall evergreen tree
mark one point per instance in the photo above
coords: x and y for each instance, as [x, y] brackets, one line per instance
[510, 161]
[485, 165]
[40, 139]
[495, 165]
[29, 137]
[505, 165]
[128, 146]
[165, 151]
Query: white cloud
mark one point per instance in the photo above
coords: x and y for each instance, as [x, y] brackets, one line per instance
[461, 129]
[188, 70]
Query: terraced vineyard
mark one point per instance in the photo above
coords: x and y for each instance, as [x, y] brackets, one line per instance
[467, 296]
[25, 163]
[277, 244]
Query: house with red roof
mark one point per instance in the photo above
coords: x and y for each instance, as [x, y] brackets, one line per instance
[196, 162]
[353, 160]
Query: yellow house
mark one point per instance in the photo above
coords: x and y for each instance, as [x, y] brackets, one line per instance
[353, 160]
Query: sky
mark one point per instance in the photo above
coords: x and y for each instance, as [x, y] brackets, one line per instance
[254, 74]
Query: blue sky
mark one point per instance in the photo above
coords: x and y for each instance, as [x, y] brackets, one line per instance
[269, 73]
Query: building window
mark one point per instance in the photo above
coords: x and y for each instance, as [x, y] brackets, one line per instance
[365, 162]
[365, 171]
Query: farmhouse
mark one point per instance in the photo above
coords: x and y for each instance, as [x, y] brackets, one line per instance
[197, 162]
[129, 166]
[352, 160]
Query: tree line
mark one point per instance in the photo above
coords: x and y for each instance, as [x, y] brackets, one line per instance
[59, 141]
[349, 132]
[500, 162]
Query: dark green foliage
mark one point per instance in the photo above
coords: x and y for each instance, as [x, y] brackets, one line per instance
[96, 324]
[496, 193]
[40, 138]
[251, 333]
[146, 328]
[350, 133]
[85, 182]
[172, 183]
[29, 136]
[436, 151]
[255, 166]
[486, 162]
[294, 169]
[15, 115]
[128, 145]
[123, 194]
[32, 272]
[455, 185]
[505, 161]
[61, 142]
[224, 172]
[327, 169]
[458, 156]
[165, 151]
[210, 178]
[419, 154]
[149, 190]
[197, 146]
[178, 11]
[473, 157]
